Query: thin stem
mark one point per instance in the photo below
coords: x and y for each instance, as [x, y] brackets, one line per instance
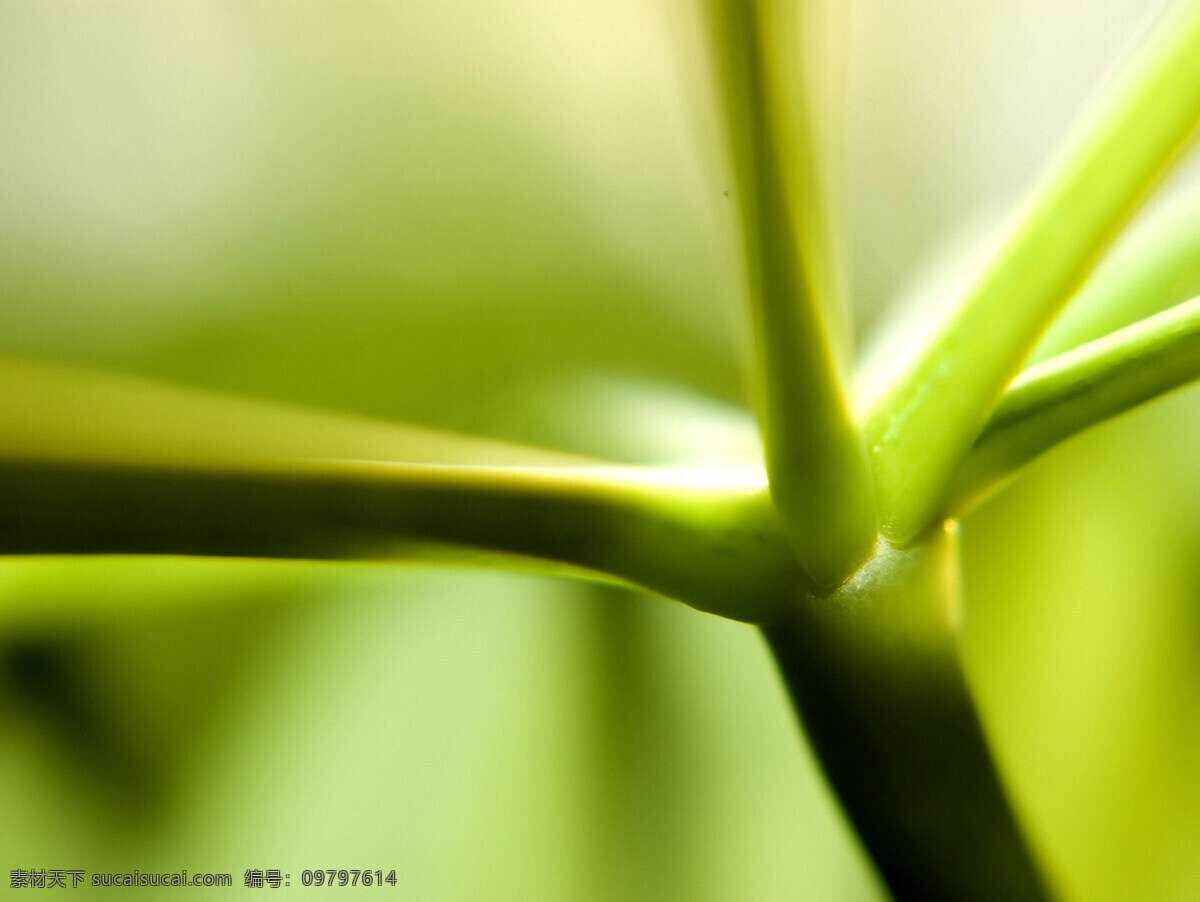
[924, 426]
[1154, 269]
[814, 453]
[215, 476]
[1063, 396]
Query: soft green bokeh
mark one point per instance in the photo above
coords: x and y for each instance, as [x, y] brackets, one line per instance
[485, 216]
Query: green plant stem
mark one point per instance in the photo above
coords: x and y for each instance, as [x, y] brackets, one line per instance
[214, 476]
[708, 547]
[875, 676]
[814, 453]
[924, 426]
[1056, 399]
[1156, 268]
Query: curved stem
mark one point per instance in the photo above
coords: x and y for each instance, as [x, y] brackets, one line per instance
[874, 673]
[705, 544]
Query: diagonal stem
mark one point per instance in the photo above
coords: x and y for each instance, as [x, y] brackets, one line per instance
[923, 428]
[1154, 269]
[1063, 396]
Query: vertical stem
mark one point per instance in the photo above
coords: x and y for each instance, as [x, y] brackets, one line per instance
[875, 677]
[815, 456]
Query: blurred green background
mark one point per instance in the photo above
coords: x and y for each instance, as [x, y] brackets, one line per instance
[510, 219]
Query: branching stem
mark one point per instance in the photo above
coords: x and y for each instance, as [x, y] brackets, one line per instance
[922, 429]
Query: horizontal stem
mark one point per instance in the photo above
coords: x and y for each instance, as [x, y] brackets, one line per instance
[92, 463]
[1056, 399]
